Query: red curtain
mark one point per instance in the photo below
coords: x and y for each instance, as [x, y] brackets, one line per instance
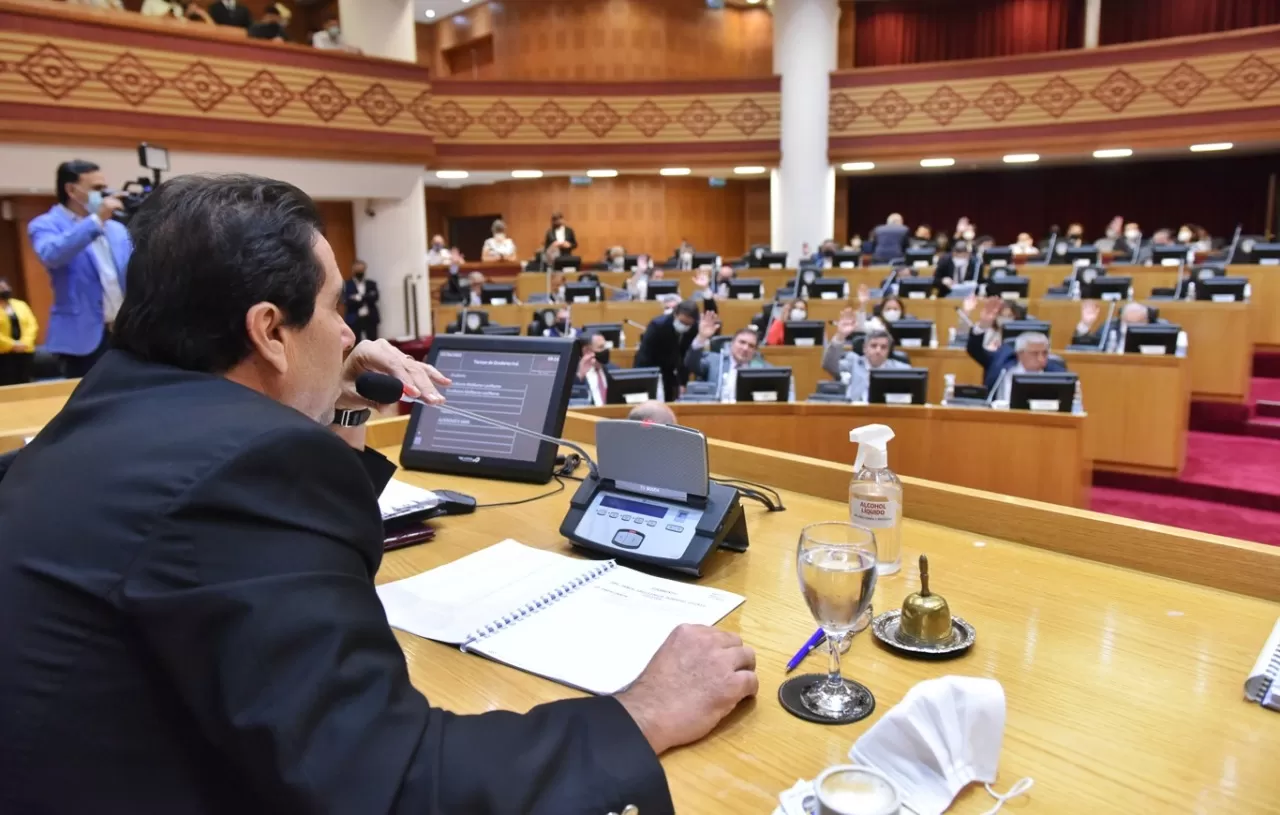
[1215, 193]
[1134, 20]
[901, 32]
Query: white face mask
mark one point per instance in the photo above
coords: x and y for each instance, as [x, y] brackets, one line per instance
[1132, 234]
[1184, 236]
[680, 326]
[944, 735]
[891, 314]
[798, 314]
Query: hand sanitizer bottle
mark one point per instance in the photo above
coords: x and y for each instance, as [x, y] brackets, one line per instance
[949, 389]
[875, 495]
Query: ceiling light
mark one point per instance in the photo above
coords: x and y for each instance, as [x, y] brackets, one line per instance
[750, 169]
[430, 13]
[674, 171]
[451, 173]
[858, 166]
[1212, 147]
[753, 2]
[526, 174]
[937, 162]
[602, 173]
[1114, 152]
[1021, 158]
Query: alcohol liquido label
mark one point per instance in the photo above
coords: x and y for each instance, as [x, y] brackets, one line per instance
[875, 512]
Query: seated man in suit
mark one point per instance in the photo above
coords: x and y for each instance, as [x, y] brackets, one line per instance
[593, 365]
[718, 368]
[1111, 335]
[960, 266]
[855, 369]
[202, 633]
[1029, 353]
[887, 240]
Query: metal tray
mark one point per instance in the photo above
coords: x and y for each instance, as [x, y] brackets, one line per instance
[886, 629]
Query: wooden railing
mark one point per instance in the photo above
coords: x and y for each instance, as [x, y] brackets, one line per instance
[1164, 93]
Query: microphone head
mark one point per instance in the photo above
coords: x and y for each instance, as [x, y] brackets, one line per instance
[381, 388]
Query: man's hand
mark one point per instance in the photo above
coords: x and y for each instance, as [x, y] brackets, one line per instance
[864, 294]
[701, 279]
[697, 677]
[587, 363]
[109, 205]
[990, 310]
[970, 303]
[420, 380]
[708, 325]
[1089, 311]
[846, 324]
[948, 282]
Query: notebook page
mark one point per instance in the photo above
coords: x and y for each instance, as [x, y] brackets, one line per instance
[399, 497]
[450, 602]
[601, 637]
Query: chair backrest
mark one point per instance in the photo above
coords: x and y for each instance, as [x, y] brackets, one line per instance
[900, 355]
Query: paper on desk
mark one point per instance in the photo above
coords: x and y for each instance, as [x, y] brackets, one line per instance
[398, 496]
[792, 801]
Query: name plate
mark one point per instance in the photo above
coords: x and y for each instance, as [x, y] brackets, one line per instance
[1153, 350]
[634, 398]
[1081, 262]
[1009, 295]
[1170, 262]
[804, 341]
[581, 298]
[917, 295]
[897, 398]
[848, 264]
[999, 263]
[498, 301]
[920, 264]
[1223, 298]
[911, 342]
[764, 396]
[569, 269]
[830, 295]
[1110, 295]
[1046, 405]
[746, 295]
[1269, 261]
[775, 265]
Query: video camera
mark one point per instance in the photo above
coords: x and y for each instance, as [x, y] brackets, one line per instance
[134, 193]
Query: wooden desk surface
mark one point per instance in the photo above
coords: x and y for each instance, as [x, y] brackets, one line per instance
[1123, 688]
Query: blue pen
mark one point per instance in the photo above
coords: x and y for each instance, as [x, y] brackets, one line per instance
[813, 642]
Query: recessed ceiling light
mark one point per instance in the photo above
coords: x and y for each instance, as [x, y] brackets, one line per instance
[937, 162]
[602, 173]
[526, 174]
[1211, 147]
[749, 170]
[430, 13]
[858, 166]
[1021, 158]
[753, 2]
[675, 171]
[451, 173]
[1113, 152]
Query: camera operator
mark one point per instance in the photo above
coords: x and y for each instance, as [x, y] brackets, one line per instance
[85, 253]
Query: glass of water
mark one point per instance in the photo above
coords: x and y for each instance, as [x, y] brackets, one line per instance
[836, 562]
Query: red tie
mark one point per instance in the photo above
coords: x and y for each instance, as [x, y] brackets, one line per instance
[604, 397]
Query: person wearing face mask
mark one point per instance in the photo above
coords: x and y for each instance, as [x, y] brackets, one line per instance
[1161, 237]
[890, 309]
[560, 235]
[330, 38]
[1025, 245]
[664, 344]
[1129, 243]
[499, 246]
[789, 311]
[593, 366]
[720, 368]
[1073, 239]
[231, 12]
[437, 253]
[361, 298]
[17, 337]
[86, 253]
[563, 326]
[273, 25]
[475, 283]
[960, 266]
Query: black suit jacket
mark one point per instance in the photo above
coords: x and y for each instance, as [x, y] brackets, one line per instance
[661, 347]
[550, 237]
[947, 268]
[998, 361]
[240, 17]
[190, 626]
[349, 295]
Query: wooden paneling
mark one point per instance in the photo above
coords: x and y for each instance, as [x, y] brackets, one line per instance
[846, 34]
[603, 39]
[11, 252]
[642, 213]
[340, 231]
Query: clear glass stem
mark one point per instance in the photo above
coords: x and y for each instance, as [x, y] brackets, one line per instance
[835, 642]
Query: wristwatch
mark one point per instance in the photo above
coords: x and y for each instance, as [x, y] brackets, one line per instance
[351, 418]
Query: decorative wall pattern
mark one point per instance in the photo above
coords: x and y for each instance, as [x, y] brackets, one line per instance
[1151, 87]
[59, 72]
[543, 119]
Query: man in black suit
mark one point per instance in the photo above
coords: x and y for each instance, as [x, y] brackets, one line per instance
[887, 240]
[560, 235]
[960, 266]
[361, 298]
[664, 344]
[230, 12]
[189, 555]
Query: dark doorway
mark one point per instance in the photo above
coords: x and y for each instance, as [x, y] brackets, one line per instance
[470, 233]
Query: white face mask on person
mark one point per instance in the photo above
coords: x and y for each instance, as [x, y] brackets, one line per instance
[1184, 236]
[680, 326]
[891, 314]
[798, 314]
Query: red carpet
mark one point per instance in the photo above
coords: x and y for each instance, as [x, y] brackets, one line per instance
[1243, 471]
[1189, 513]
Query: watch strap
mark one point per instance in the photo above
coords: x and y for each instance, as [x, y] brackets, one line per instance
[351, 418]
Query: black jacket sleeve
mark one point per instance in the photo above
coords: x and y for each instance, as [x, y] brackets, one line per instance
[6, 461]
[1093, 338]
[976, 350]
[695, 362]
[254, 595]
[946, 268]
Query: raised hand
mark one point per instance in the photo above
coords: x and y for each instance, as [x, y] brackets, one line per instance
[864, 294]
[990, 310]
[701, 279]
[708, 325]
[587, 363]
[1089, 311]
[847, 323]
[970, 303]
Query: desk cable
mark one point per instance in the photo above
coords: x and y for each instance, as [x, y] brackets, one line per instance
[756, 492]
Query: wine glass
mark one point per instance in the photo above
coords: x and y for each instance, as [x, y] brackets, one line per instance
[836, 562]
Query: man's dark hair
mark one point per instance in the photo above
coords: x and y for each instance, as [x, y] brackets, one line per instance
[688, 308]
[205, 250]
[69, 172]
[748, 330]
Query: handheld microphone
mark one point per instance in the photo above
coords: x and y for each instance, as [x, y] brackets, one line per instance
[385, 389]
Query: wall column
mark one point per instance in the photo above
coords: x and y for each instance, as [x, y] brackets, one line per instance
[1092, 22]
[805, 44]
[391, 233]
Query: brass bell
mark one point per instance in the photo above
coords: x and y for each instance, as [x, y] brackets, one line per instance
[925, 615]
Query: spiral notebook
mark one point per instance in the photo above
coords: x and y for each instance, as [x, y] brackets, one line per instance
[1263, 684]
[588, 624]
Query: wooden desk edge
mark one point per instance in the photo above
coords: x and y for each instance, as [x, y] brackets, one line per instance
[37, 390]
[1208, 560]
